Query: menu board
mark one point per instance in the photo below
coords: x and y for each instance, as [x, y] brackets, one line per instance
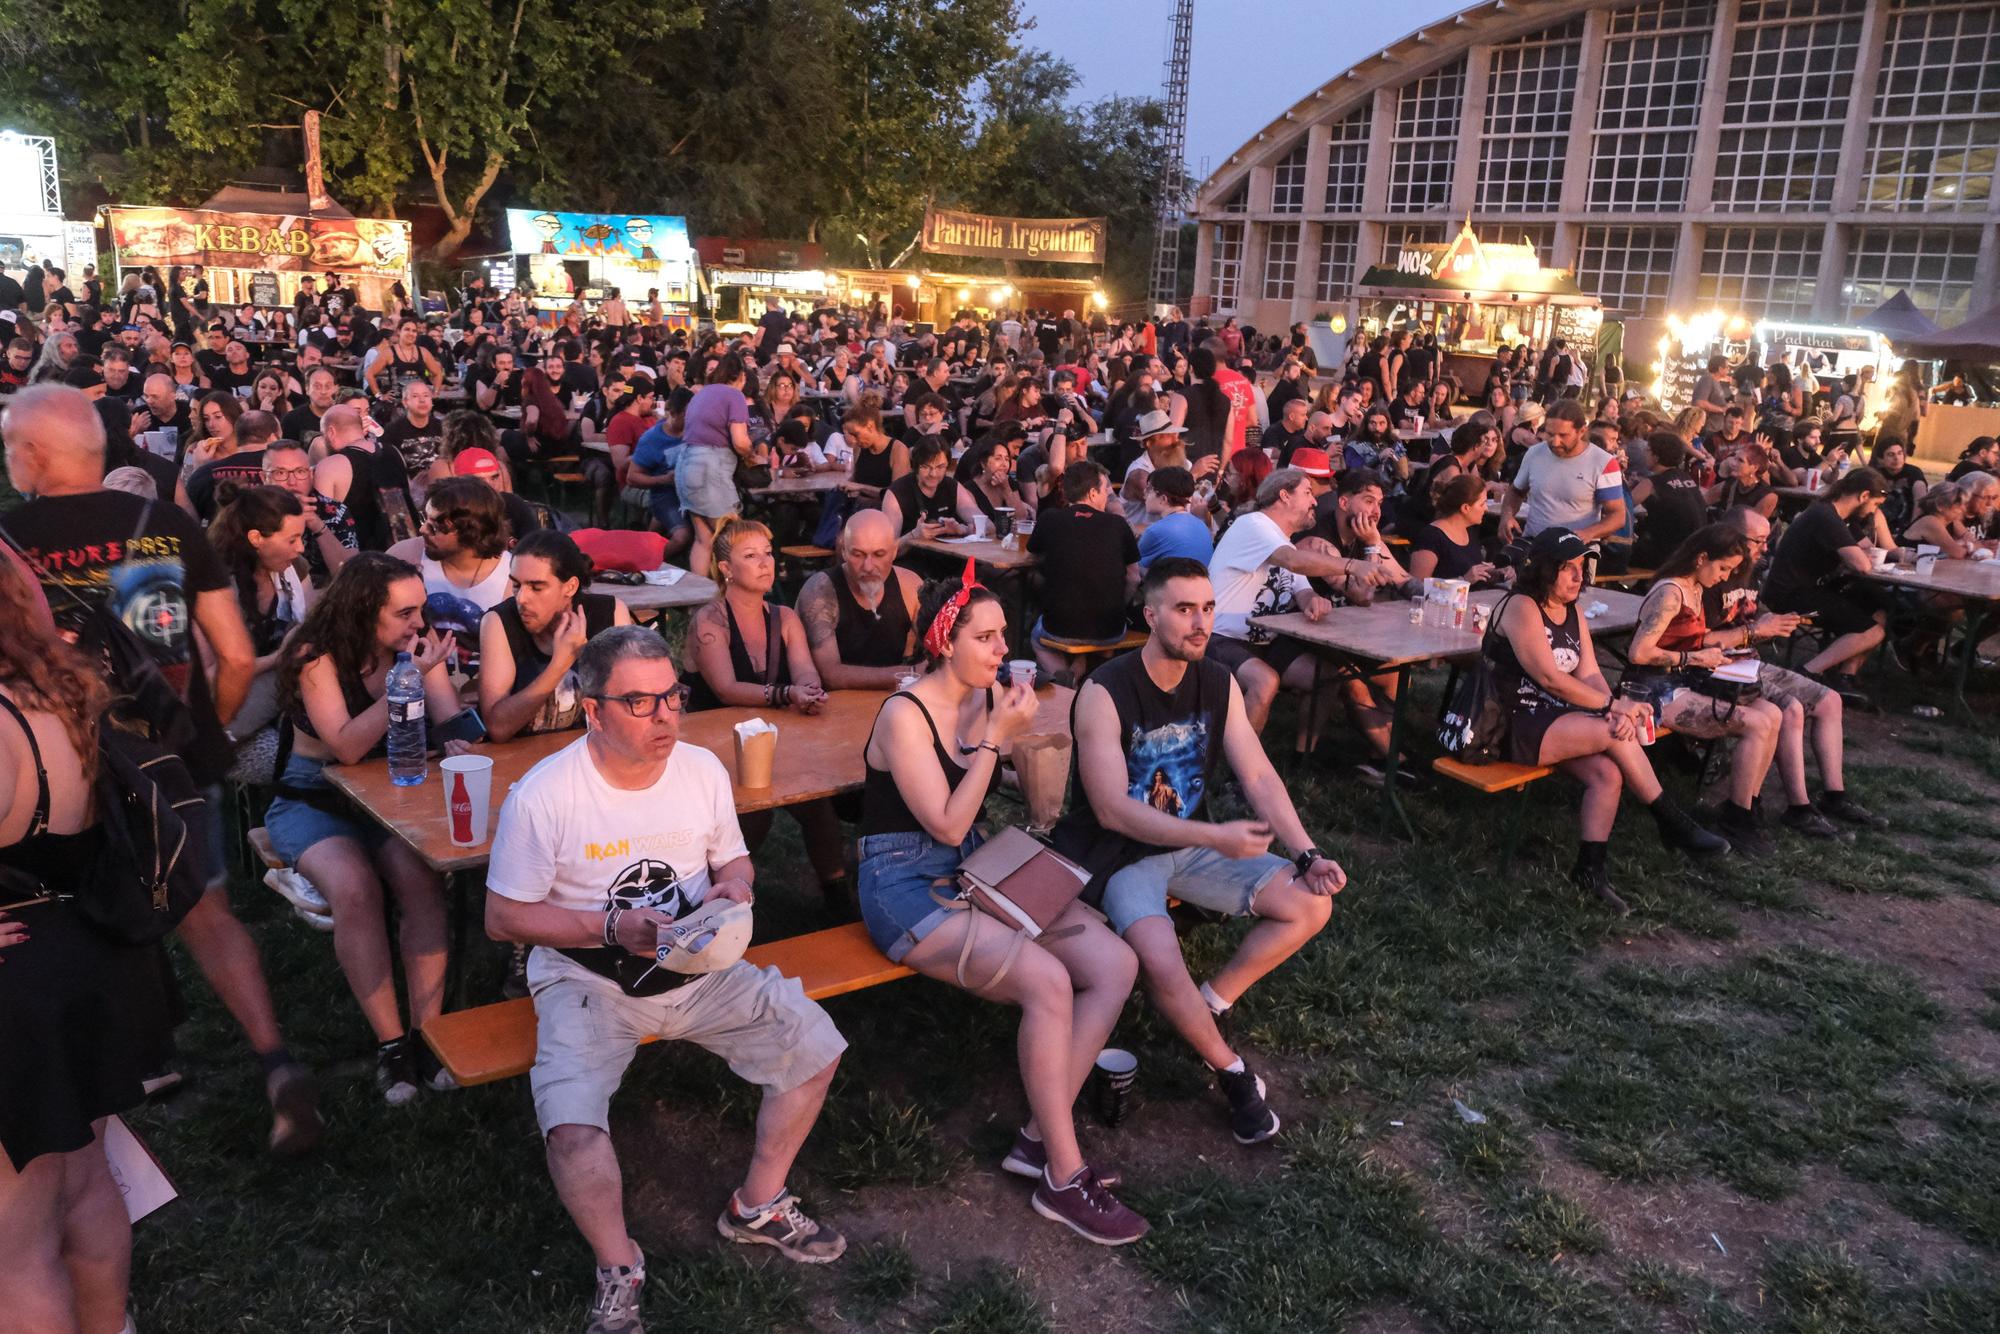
[263, 288]
[1677, 382]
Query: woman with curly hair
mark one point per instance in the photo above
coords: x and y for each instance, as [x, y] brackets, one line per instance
[333, 683]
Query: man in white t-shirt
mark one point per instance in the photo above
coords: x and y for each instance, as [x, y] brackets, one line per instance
[599, 846]
[1257, 571]
[1566, 481]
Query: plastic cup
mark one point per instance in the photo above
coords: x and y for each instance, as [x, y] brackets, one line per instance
[468, 797]
[1111, 1085]
[1005, 514]
[982, 527]
[1021, 670]
[756, 756]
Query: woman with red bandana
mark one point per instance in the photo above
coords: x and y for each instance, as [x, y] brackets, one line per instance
[932, 760]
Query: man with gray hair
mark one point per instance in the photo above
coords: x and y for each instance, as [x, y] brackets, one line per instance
[1257, 571]
[598, 847]
[862, 633]
[148, 565]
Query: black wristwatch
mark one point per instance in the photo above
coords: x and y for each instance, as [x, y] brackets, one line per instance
[1303, 862]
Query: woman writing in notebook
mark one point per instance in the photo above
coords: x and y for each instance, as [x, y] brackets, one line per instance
[933, 758]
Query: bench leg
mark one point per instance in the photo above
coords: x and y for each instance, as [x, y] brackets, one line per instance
[1392, 801]
[1514, 822]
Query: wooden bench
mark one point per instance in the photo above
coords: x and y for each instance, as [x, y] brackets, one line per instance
[1503, 776]
[260, 843]
[1624, 579]
[806, 553]
[490, 1042]
[1092, 656]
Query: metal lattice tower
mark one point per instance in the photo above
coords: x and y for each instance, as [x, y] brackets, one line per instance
[1173, 157]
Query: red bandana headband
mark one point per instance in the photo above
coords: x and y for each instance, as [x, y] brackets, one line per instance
[946, 621]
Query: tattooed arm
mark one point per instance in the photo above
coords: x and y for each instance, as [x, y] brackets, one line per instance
[819, 608]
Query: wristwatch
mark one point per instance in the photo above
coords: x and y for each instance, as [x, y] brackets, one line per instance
[1303, 862]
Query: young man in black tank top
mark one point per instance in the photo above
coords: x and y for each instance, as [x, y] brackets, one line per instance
[859, 614]
[1152, 729]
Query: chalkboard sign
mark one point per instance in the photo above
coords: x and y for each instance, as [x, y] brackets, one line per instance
[264, 288]
[1677, 384]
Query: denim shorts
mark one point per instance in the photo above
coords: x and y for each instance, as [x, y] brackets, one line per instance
[295, 825]
[1201, 876]
[706, 481]
[898, 873]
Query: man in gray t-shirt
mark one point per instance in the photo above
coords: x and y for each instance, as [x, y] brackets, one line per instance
[1566, 481]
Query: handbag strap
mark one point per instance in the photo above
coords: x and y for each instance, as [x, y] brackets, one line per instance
[962, 902]
[39, 822]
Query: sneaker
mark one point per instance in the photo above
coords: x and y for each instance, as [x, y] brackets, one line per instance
[1746, 838]
[296, 1125]
[1808, 822]
[1598, 881]
[396, 1071]
[1086, 1206]
[298, 891]
[616, 1309]
[1846, 809]
[785, 1226]
[429, 1069]
[1030, 1158]
[1250, 1120]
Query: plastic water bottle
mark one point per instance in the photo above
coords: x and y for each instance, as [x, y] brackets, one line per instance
[407, 765]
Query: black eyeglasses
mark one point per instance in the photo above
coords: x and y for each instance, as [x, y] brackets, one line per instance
[645, 704]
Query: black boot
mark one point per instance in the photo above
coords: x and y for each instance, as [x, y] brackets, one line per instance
[1742, 828]
[1679, 830]
[1590, 873]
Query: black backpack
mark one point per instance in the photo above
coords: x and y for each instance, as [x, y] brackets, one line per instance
[145, 877]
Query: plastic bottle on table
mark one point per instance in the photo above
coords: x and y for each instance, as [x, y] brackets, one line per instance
[407, 765]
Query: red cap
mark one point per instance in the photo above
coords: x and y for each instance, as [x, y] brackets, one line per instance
[476, 462]
[1311, 462]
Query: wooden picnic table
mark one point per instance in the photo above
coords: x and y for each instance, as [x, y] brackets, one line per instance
[818, 756]
[987, 551]
[690, 590]
[1977, 581]
[812, 484]
[1380, 637]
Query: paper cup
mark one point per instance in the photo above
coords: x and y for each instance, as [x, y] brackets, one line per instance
[982, 527]
[756, 754]
[1021, 669]
[1111, 1085]
[468, 797]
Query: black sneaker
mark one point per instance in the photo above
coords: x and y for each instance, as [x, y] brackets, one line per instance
[1678, 829]
[1807, 822]
[1746, 838]
[1598, 881]
[1250, 1119]
[396, 1071]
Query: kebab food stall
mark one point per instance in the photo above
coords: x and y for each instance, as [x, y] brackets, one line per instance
[563, 258]
[1477, 297]
[242, 252]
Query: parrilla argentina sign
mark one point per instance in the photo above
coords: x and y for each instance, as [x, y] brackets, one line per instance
[1060, 240]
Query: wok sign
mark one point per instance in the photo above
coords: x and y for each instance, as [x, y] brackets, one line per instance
[361, 246]
[1060, 240]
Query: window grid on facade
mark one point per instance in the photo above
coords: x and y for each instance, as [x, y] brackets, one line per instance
[1225, 264]
[1288, 181]
[1761, 271]
[1424, 146]
[1347, 162]
[1239, 199]
[1650, 90]
[1934, 265]
[1628, 268]
[1396, 235]
[1525, 135]
[1935, 131]
[1281, 260]
[1339, 244]
[1785, 103]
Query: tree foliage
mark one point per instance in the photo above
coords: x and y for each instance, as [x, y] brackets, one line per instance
[829, 120]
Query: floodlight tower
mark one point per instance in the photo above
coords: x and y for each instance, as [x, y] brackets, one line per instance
[1173, 155]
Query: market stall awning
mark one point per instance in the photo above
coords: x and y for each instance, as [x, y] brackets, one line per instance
[1464, 269]
[1549, 285]
[1978, 339]
[1898, 318]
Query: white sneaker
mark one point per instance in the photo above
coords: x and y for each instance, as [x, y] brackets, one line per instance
[307, 902]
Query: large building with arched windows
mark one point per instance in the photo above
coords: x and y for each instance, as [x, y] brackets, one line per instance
[1785, 159]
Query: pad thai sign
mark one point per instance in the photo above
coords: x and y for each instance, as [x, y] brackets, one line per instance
[1061, 240]
[361, 246]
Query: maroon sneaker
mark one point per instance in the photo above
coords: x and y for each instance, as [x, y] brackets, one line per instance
[1030, 1158]
[1087, 1208]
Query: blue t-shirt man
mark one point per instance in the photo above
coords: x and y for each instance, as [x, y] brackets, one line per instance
[1176, 534]
[658, 451]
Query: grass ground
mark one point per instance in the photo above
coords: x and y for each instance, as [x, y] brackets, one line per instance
[1764, 1102]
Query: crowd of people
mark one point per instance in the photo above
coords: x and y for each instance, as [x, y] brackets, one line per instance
[277, 542]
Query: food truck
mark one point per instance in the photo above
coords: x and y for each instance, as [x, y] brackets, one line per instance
[738, 273]
[564, 258]
[1477, 297]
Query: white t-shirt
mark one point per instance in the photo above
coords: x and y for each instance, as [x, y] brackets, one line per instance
[569, 839]
[449, 607]
[835, 450]
[1566, 492]
[1246, 583]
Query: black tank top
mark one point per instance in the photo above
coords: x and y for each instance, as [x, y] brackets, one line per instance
[57, 861]
[883, 810]
[777, 670]
[873, 467]
[1207, 414]
[599, 610]
[355, 695]
[878, 638]
[1565, 642]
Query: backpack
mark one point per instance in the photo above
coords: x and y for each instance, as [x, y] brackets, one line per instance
[145, 877]
[1473, 729]
[147, 702]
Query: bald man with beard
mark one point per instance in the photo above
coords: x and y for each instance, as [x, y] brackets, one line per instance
[862, 637]
[149, 565]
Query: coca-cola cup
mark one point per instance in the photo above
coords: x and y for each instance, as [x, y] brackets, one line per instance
[468, 797]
